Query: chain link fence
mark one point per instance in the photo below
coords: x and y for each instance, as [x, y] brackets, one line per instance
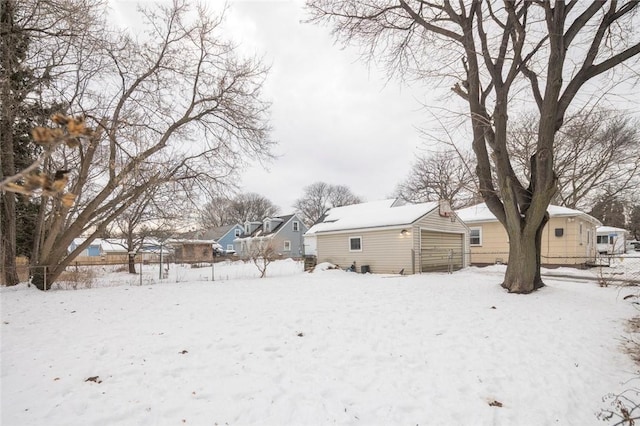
[107, 274]
[620, 268]
[603, 269]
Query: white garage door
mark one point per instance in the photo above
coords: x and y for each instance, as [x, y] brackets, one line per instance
[441, 251]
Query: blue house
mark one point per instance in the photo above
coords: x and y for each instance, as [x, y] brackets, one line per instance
[224, 235]
[283, 233]
[93, 250]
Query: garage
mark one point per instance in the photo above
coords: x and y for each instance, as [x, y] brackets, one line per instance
[441, 251]
[391, 237]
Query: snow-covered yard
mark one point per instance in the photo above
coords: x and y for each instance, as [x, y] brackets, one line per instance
[329, 347]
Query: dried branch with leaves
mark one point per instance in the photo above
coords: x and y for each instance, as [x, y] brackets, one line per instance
[31, 181]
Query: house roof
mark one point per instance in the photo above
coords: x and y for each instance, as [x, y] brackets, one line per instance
[259, 231]
[606, 229]
[113, 245]
[116, 245]
[185, 241]
[481, 213]
[80, 240]
[220, 231]
[106, 244]
[371, 215]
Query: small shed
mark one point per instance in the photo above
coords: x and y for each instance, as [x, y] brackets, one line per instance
[193, 251]
[567, 239]
[611, 240]
[389, 236]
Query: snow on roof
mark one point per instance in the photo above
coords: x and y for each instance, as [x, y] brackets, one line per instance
[607, 229]
[191, 241]
[80, 240]
[371, 215]
[477, 213]
[481, 213]
[112, 245]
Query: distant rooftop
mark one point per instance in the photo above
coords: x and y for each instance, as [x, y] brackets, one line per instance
[481, 213]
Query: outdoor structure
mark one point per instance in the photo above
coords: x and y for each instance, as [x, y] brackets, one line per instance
[567, 239]
[225, 235]
[611, 240]
[391, 237]
[192, 251]
[283, 234]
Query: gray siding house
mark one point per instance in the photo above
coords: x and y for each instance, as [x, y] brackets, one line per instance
[283, 233]
[225, 235]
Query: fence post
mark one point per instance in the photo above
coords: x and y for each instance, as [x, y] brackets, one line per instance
[45, 278]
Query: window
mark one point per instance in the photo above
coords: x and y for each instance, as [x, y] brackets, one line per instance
[580, 236]
[602, 239]
[559, 232]
[475, 236]
[229, 247]
[287, 246]
[237, 232]
[296, 226]
[355, 243]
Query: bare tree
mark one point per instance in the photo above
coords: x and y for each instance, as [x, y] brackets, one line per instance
[596, 155]
[262, 254]
[250, 207]
[215, 213]
[175, 104]
[320, 197]
[550, 49]
[154, 213]
[443, 175]
[221, 211]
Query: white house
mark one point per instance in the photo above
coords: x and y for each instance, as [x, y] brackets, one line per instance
[611, 240]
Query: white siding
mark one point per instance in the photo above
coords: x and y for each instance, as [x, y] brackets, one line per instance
[388, 250]
[385, 251]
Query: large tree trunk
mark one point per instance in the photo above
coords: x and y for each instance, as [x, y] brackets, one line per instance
[43, 277]
[132, 263]
[8, 243]
[7, 162]
[523, 270]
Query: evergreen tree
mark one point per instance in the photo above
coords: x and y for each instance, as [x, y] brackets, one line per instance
[20, 111]
[16, 80]
[633, 225]
[610, 211]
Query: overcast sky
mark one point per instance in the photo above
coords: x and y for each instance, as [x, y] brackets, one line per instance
[335, 118]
